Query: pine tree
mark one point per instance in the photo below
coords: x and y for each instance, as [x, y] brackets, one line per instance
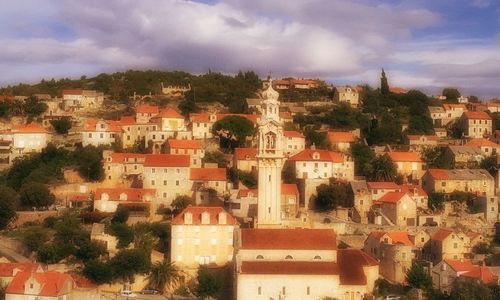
[384, 85]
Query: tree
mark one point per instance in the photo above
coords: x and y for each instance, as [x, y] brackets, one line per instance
[318, 139]
[383, 169]
[437, 158]
[89, 162]
[98, 272]
[451, 94]
[8, 205]
[48, 254]
[470, 290]
[248, 179]
[216, 157]
[420, 124]
[128, 262]
[473, 99]
[124, 234]
[288, 173]
[233, 130]
[35, 194]
[436, 201]
[490, 164]
[90, 250]
[121, 215]
[33, 108]
[363, 158]
[61, 126]
[164, 275]
[188, 106]
[180, 203]
[34, 238]
[384, 85]
[331, 196]
[482, 248]
[418, 278]
[210, 283]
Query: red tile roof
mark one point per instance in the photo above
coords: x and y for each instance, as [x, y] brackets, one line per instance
[29, 128]
[243, 153]
[117, 157]
[196, 211]
[351, 263]
[292, 133]
[245, 193]
[413, 190]
[184, 144]
[290, 267]
[91, 123]
[166, 160]
[472, 235]
[404, 156]
[208, 174]
[132, 193]
[397, 237]
[52, 283]
[477, 115]
[464, 265]
[147, 109]
[288, 239]
[169, 113]
[481, 273]
[289, 189]
[441, 234]
[7, 269]
[482, 143]
[127, 120]
[324, 155]
[391, 197]
[341, 137]
[200, 117]
[382, 185]
[81, 281]
[439, 174]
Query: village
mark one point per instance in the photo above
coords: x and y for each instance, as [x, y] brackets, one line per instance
[308, 191]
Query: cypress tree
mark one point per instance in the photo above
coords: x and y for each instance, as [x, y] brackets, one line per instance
[384, 85]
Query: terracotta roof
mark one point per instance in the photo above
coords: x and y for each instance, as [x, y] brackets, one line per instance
[441, 234]
[341, 137]
[398, 90]
[242, 153]
[290, 267]
[391, 197]
[288, 239]
[439, 174]
[91, 123]
[397, 237]
[147, 109]
[460, 174]
[7, 269]
[404, 156]
[351, 263]
[169, 113]
[379, 185]
[200, 117]
[289, 189]
[196, 211]
[72, 92]
[472, 235]
[184, 144]
[52, 283]
[477, 115]
[132, 193]
[464, 265]
[482, 143]
[413, 190]
[324, 155]
[82, 281]
[29, 128]
[481, 273]
[208, 174]
[292, 133]
[117, 157]
[166, 160]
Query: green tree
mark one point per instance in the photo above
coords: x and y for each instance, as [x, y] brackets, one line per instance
[33, 108]
[451, 94]
[35, 194]
[216, 157]
[121, 215]
[248, 179]
[316, 138]
[482, 248]
[288, 173]
[384, 84]
[210, 283]
[418, 278]
[34, 238]
[436, 201]
[124, 234]
[383, 169]
[329, 197]
[90, 250]
[363, 158]
[470, 290]
[128, 262]
[89, 162]
[48, 254]
[490, 164]
[164, 275]
[8, 205]
[233, 131]
[180, 203]
[474, 99]
[437, 158]
[61, 126]
[98, 272]
[188, 106]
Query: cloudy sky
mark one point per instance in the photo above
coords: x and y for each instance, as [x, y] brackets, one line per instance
[426, 44]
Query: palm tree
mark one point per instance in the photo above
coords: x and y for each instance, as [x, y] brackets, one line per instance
[164, 275]
[383, 169]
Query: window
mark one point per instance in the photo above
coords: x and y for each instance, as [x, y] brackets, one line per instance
[165, 170]
[177, 182]
[422, 239]
[152, 182]
[259, 290]
[361, 202]
[317, 257]
[443, 183]
[153, 170]
[283, 291]
[102, 135]
[259, 257]
[288, 257]
[308, 292]
[455, 245]
[164, 182]
[31, 285]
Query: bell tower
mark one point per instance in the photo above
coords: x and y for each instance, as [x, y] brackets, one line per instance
[270, 160]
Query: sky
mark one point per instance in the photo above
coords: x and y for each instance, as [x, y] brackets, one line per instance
[425, 44]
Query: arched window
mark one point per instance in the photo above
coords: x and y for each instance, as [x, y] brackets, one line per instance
[317, 257]
[288, 257]
[259, 257]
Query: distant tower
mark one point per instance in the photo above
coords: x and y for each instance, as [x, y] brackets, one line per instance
[270, 160]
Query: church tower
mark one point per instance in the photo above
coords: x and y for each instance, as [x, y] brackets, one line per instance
[270, 160]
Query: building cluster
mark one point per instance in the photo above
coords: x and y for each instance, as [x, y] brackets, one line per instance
[269, 236]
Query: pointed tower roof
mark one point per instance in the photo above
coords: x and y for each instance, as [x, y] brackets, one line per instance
[270, 93]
